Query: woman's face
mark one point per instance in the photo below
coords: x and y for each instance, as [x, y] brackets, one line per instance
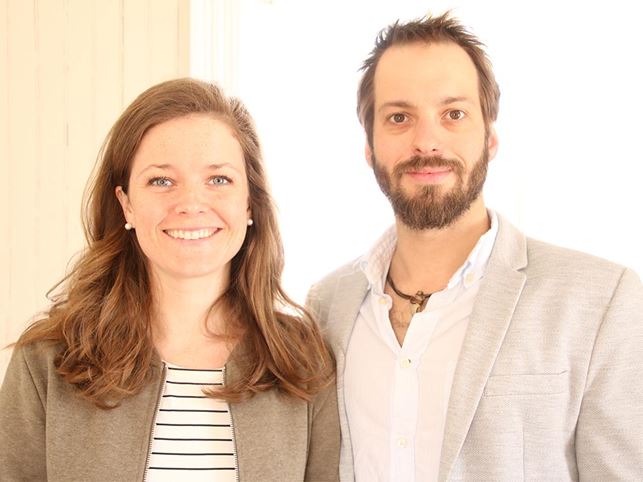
[188, 198]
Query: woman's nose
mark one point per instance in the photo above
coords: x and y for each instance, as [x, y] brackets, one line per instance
[190, 201]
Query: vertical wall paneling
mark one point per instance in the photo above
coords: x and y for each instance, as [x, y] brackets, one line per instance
[214, 49]
[136, 67]
[183, 37]
[162, 34]
[22, 176]
[53, 205]
[5, 219]
[80, 82]
[230, 49]
[201, 48]
[107, 60]
[67, 70]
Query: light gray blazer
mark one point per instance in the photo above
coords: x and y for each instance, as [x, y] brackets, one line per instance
[549, 384]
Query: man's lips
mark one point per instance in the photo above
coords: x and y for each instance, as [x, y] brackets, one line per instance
[430, 174]
[430, 170]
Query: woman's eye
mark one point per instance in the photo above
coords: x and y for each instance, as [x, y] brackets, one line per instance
[219, 180]
[398, 118]
[455, 115]
[160, 182]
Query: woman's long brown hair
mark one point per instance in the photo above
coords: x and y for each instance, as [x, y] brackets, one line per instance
[101, 311]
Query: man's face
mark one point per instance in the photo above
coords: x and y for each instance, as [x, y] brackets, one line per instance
[430, 148]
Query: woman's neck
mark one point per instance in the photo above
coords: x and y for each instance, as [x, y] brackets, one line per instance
[186, 330]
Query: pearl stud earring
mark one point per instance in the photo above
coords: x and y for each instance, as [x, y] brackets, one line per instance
[128, 226]
[250, 222]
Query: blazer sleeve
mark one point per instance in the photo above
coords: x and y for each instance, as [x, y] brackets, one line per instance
[323, 448]
[22, 421]
[609, 434]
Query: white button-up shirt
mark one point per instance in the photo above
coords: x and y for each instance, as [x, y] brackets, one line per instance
[397, 396]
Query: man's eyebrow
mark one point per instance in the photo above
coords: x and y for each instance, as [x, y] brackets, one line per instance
[402, 104]
[452, 100]
[395, 103]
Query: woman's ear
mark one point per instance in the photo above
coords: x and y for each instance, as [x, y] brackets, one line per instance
[126, 206]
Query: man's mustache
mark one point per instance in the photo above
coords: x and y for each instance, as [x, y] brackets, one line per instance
[419, 162]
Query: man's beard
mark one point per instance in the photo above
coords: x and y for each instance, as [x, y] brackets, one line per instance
[430, 208]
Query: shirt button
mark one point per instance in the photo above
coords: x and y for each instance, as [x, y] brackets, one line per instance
[402, 442]
[382, 301]
[469, 278]
[405, 362]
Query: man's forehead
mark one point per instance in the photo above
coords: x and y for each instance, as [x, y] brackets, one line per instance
[442, 53]
[443, 67]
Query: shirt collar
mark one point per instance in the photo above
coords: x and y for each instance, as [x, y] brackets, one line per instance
[375, 263]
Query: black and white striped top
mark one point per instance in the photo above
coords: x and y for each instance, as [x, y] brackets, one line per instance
[192, 437]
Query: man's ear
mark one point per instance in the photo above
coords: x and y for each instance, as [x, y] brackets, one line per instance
[492, 142]
[123, 199]
[368, 154]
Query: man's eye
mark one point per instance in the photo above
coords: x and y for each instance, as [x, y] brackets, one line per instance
[160, 182]
[455, 115]
[398, 118]
[219, 180]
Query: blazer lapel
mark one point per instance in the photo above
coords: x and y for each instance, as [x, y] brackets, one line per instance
[347, 300]
[495, 303]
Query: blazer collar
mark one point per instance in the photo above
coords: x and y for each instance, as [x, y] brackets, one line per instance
[497, 298]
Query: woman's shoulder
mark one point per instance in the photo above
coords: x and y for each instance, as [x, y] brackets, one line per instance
[35, 357]
[30, 373]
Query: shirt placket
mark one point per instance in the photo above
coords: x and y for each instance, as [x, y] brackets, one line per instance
[404, 416]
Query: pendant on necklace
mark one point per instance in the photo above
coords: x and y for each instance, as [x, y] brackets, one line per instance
[418, 302]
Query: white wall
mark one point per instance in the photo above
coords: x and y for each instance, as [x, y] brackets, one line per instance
[569, 165]
[67, 70]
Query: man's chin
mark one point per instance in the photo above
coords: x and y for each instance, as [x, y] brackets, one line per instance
[425, 196]
[412, 188]
[433, 210]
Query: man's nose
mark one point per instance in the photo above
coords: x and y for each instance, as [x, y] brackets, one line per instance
[426, 138]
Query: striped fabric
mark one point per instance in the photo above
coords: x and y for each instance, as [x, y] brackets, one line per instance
[192, 438]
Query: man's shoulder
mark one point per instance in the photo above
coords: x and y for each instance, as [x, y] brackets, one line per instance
[346, 284]
[331, 279]
[546, 257]
[538, 257]
[578, 277]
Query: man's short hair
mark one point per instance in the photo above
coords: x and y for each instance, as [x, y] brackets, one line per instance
[427, 30]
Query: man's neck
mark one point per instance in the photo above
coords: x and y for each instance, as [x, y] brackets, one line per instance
[426, 260]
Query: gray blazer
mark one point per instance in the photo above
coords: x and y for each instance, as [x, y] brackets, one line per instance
[549, 384]
[48, 433]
